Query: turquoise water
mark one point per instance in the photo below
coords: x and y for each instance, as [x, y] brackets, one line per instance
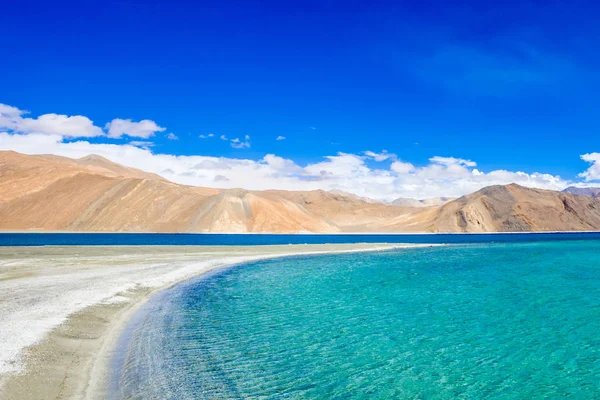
[479, 321]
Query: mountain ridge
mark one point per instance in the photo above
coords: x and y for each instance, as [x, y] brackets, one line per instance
[590, 191]
[429, 202]
[93, 194]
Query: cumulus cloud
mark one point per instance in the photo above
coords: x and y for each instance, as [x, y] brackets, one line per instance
[7, 110]
[344, 171]
[141, 143]
[143, 129]
[384, 155]
[223, 137]
[282, 165]
[593, 172]
[402, 168]
[440, 176]
[452, 161]
[238, 144]
[220, 178]
[206, 136]
[12, 119]
[172, 136]
[280, 138]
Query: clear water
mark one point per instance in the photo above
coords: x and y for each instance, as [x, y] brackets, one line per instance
[516, 321]
[194, 239]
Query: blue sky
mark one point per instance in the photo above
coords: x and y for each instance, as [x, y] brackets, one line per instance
[509, 86]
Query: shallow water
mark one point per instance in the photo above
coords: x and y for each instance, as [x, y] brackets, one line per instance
[470, 321]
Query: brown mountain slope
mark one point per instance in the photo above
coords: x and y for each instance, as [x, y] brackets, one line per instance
[103, 166]
[90, 202]
[51, 193]
[354, 196]
[350, 214]
[21, 174]
[590, 191]
[509, 208]
[430, 202]
[513, 208]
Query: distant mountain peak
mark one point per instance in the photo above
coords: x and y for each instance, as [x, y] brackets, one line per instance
[353, 196]
[429, 202]
[53, 193]
[589, 191]
[94, 157]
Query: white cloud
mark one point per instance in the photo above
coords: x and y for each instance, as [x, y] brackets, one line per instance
[452, 161]
[441, 176]
[340, 164]
[384, 155]
[5, 109]
[238, 144]
[281, 165]
[12, 119]
[280, 138]
[402, 168]
[73, 126]
[593, 172]
[172, 136]
[141, 143]
[143, 129]
[343, 171]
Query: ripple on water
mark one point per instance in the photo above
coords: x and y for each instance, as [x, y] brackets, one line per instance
[476, 321]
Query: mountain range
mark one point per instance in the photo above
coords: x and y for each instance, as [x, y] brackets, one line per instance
[590, 191]
[431, 202]
[93, 194]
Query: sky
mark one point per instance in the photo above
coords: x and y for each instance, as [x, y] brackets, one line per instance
[382, 99]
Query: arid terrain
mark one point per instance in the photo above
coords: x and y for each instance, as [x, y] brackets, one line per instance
[93, 194]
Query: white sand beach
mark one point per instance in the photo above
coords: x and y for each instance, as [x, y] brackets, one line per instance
[62, 308]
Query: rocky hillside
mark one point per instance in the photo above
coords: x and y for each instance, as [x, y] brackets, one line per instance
[431, 202]
[50, 193]
[590, 192]
[514, 208]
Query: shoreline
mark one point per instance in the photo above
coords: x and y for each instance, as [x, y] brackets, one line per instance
[289, 233]
[69, 355]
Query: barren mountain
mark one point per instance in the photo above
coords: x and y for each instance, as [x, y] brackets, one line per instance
[431, 202]
[94, 194]
[51, 193]
[514, 208]
[103, 166]
[591, 192]
[348, 213]
[353, 196]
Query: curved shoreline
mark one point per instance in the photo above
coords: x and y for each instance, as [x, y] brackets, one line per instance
[72, 360]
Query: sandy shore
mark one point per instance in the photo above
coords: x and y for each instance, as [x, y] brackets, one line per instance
[63, 308]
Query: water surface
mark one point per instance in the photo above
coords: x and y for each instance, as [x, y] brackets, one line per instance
[518, 320]
[209, 239]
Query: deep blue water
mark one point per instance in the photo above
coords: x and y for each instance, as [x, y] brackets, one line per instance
[169, 239]
[471, 321]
